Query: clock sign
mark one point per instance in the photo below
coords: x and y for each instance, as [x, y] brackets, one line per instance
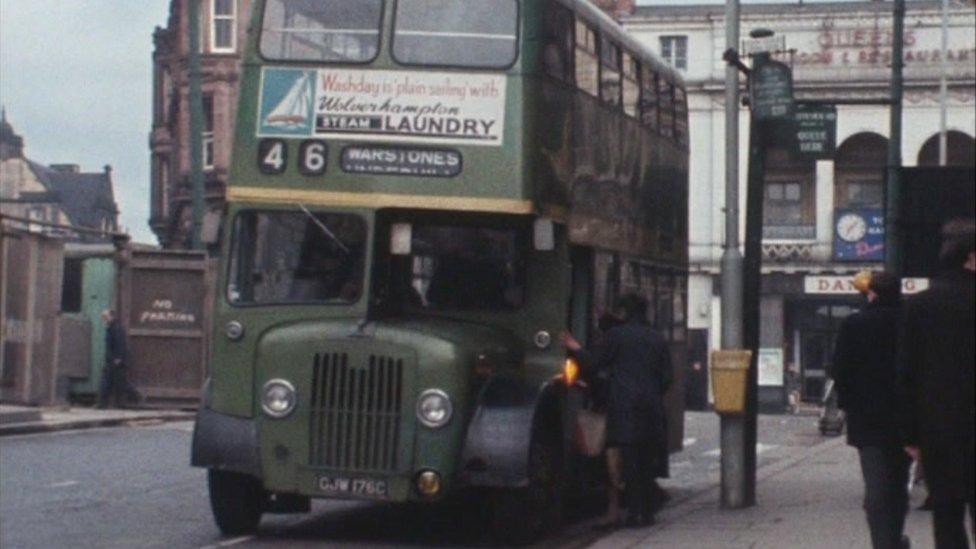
[859, 234]
[851, 227]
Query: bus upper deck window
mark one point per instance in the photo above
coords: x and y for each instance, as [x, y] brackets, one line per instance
[458, 33]
[343, 31]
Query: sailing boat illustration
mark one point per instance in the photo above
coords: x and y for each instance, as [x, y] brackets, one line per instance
[292, 111]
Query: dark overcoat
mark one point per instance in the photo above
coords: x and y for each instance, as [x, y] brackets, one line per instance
[639, 364]
[936, 362]
[114, 342]
[865, 374]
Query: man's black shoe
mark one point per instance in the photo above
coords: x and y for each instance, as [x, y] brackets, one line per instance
[639, 521]
[659, 498]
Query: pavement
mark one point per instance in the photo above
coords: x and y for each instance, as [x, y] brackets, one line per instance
[811, 499]
[19, 420]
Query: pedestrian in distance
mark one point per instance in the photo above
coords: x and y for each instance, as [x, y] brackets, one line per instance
[639, 362]
[936, 359]
[115, 388]
[865, 376]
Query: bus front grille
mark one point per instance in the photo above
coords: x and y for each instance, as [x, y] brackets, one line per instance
[355, 412]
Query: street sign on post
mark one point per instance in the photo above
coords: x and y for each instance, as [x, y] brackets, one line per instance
[765, 44]
[771, 90]
[816, 129]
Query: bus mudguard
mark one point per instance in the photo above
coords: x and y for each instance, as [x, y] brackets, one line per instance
[225, 442]
[496, 448]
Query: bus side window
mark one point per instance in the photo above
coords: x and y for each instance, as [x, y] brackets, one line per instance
[587, 64]
[609, 72]
[557, 57]
[631, 89]
[680, 116]
[666, 108]
[649, 108]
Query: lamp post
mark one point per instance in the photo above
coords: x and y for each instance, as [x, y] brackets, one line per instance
[196, 123]
[893, 203]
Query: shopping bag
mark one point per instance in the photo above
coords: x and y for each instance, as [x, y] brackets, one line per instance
[591, 432]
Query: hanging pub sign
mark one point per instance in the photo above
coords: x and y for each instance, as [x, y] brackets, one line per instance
[771, 90]
[816, 129]
[859, 234]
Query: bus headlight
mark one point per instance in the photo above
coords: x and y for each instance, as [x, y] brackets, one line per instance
[278, 398]
[434, 408]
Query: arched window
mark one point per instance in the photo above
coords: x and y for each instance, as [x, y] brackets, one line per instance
[961, 150]
[859, 171]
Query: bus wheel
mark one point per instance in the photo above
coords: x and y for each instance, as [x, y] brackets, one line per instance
[522, 516]
[237, 501]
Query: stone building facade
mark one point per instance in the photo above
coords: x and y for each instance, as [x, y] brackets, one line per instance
[838, 52]
[223, 26]
[59, 195]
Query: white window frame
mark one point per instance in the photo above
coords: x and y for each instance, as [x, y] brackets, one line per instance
[214, 18]
[207, 140]
[674, 40]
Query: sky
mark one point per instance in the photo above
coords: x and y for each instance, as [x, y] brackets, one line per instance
[76, 82]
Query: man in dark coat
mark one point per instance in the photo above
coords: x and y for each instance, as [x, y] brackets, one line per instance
[115, 386]
[865, 373]
[936, 363]
[639, 362]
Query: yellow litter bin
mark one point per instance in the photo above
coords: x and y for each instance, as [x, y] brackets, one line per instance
[730, 374]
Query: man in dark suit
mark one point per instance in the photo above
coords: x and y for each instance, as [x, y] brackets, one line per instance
[865, 374]
[115, 386]
[639, 362]
[936, 363]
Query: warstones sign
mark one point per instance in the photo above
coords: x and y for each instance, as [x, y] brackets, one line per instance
[816, 130]
[401, 161]
[771, 90]
[351, 104]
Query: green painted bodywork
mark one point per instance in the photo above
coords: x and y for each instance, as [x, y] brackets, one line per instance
[537, 163]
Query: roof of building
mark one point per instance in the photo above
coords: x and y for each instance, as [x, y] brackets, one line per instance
[718, 10]
[86, 198]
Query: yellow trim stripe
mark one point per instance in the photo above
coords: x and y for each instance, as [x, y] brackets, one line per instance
[378, 200]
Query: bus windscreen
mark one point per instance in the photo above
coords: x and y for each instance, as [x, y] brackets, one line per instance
[297, 257]
[465, 268]
[456, 33]
[321, 30]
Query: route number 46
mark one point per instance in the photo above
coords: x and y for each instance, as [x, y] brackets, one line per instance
[273, 157]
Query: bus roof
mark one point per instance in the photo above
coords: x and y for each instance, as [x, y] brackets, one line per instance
[614, 31]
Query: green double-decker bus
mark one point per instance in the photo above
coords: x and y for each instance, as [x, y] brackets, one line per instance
[423, 195]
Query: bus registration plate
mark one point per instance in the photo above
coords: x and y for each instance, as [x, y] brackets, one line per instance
[354, 486]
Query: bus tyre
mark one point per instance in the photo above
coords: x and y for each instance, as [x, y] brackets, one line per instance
[237, 501]
[524, 515]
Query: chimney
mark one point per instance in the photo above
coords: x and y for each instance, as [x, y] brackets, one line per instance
[66, 168]
[617, 9]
